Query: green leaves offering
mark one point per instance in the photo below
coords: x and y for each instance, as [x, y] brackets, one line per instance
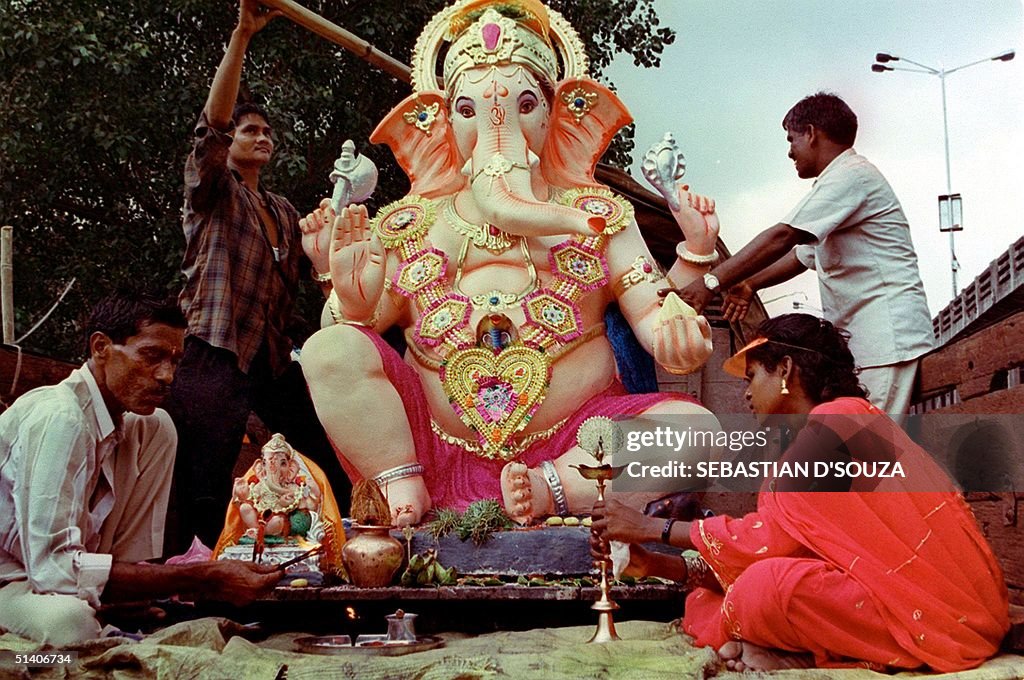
[425, 570]
[481, 519]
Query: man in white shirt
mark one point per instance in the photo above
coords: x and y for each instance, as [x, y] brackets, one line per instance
[851, 229]
[85, 472]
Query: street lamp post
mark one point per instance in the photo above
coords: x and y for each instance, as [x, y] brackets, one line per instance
[883, 58]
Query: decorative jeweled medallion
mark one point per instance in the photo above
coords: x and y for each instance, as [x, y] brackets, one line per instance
[586, 267]
[422, 116]
[402, 220]
[616, 211]
[555, 314]
[441, 318]
[424, 269]
[495, 300]
[579, 102]
[496, 394]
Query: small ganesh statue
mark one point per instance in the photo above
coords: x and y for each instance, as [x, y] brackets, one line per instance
[282, 500]
[498, 266]
[275, 492]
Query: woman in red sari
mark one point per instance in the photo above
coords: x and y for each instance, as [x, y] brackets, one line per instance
[887, 574]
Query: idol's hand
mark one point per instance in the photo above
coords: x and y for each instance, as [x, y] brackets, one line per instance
[682, 343]
[317, 235]
[698, 221]
[357, 264]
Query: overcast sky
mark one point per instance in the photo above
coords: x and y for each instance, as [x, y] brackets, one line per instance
[738, 65]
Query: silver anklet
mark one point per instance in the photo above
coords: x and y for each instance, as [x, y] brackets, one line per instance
[557, 492]
[400, 472]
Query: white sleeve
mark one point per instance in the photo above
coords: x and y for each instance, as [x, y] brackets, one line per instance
[53, 493]
[832, 201]
[805, 254]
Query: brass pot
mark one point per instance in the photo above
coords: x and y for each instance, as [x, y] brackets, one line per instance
[372, 556]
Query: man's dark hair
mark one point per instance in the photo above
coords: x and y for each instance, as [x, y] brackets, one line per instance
[818, 349]
[827, 113]
[124, 313]
[246, 108]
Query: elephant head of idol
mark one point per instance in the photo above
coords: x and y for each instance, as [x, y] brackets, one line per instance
[513, 116]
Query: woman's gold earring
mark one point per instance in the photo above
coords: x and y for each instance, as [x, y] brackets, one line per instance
[784, 389]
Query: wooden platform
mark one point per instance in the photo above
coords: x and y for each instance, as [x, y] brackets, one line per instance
[505, 593]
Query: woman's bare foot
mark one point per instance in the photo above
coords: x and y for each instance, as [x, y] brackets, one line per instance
[525, 493]
[746, 656]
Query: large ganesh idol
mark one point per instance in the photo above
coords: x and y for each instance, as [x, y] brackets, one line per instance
[498, 265]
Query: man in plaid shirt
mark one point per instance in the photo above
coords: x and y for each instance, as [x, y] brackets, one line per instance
[243, 263]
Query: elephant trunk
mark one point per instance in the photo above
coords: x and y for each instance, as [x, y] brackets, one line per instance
[502, 188]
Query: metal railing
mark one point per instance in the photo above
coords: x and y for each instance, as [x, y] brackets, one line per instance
[1003, 277]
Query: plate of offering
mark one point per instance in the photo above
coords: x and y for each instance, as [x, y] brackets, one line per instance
[378, 645]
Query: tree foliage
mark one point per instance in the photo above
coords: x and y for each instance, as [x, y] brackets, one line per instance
[98, 99]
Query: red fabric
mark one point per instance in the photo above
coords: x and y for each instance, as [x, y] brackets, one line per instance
[456, 478]
[892, 578]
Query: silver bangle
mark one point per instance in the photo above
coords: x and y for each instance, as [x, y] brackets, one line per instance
[400, 472]
[557, 492]
[701, 260]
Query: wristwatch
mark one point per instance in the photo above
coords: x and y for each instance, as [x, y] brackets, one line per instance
[711, 282]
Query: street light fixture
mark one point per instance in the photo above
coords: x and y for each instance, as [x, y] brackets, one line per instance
[786, 295]
[883, 58]
[803, 305]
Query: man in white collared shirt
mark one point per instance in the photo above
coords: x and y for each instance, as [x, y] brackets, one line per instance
[851, 229]
[85, 472]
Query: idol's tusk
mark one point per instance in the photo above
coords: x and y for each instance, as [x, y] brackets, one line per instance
[338, 35]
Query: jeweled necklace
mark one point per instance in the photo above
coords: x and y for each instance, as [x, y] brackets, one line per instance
[496, 300]
[486, 236]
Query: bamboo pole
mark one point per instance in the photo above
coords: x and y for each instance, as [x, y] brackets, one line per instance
[338, 35]
[7, 282]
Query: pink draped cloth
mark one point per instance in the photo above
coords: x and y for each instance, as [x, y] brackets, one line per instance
[890, 578]
[454, 477]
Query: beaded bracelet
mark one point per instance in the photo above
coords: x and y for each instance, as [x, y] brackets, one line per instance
[683, 253]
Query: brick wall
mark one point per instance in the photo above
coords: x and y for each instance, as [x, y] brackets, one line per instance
[972, 362]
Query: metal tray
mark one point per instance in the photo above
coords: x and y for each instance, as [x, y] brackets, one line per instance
[371, 645]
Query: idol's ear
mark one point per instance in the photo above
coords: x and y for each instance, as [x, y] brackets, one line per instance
[419, 134]
[585, 117]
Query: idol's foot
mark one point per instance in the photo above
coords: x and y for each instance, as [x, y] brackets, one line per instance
[746, 656]
[408, 499]
[525, 493]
